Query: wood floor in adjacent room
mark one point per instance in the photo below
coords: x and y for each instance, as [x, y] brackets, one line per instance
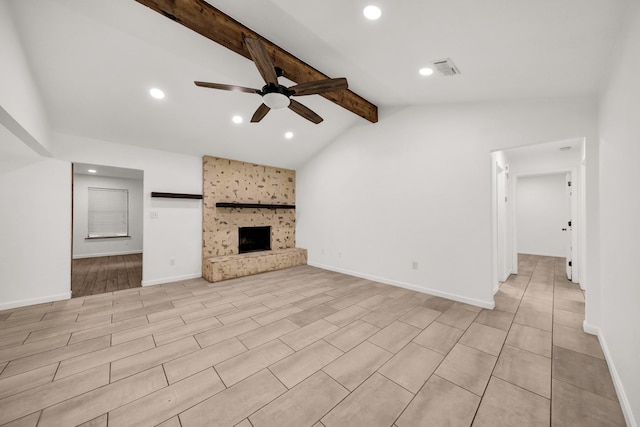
[92, 276]
[307, 347]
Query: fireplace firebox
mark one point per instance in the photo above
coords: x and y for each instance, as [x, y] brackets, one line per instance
[253, 239]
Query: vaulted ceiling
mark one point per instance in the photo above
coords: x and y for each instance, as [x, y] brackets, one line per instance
[95, 61]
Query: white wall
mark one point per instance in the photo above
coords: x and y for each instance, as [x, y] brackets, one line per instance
[173, 241]
[35, 226]
[85, 248]
[35, 249]
[21, 110]
[542, 211]
[616, 315]
[417, 187]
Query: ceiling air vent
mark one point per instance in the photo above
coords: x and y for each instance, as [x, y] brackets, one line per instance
[447, 67]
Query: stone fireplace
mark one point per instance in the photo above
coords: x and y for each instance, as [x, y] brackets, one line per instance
[240, 201]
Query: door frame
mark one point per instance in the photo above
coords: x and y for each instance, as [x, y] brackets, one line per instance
[579, 175]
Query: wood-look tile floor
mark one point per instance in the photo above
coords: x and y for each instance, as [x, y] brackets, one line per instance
[92, 276]
[307, 347]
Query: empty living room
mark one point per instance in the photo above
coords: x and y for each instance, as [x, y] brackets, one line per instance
[279, 213]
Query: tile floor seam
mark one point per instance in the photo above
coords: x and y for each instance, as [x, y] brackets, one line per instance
[169, 385]
[58, 403]
[418, 392]
[400, 385]
[292, 349]
[525, 350]
[166, 377]
[286, 390]
[323, 339]
[584, 389]
[155, 343]
[503, 344]
[280, 381]
[482, 351]
[522, 388]
[349, 393]
[532, 327]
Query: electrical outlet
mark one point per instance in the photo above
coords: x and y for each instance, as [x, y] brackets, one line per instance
[154, 214]
[339, 254]
[414, 265]
[172, 262]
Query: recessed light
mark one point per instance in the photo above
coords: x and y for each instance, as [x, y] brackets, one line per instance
[426, 71]
[288, 135]
[372, 12]
[156, 93]
[92, 171]
[237, 119]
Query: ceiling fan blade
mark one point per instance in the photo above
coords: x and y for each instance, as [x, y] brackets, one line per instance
[319, 86]
[262, 60]
[305, 112]
[232, 88]
[260, 113]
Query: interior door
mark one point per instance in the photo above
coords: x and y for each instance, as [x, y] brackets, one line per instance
[569, 225]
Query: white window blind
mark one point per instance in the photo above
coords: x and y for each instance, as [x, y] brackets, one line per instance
[108, 212]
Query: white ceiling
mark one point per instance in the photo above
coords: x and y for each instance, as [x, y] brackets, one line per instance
[95, 61]
[568, 152]
[108, 171]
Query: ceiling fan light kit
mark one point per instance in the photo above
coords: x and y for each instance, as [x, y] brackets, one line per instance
[276, 100]
[274, 95]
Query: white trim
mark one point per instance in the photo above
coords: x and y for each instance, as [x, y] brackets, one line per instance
[106, 254]
[41, 300]
[171, 279]
[589, 329]
[479, 303]
[617, 382]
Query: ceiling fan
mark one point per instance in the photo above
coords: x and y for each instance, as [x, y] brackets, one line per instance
[274, 95]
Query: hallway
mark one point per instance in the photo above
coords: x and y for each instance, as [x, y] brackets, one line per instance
[545, 338]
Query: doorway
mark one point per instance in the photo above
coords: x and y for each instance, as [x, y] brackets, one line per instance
[544, 216]
[513, 170]
[107, 219]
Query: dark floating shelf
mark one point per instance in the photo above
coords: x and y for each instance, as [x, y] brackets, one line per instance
[176, 195]
[252, 206]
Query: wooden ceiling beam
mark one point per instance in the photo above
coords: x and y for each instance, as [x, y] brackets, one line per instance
[206, 20]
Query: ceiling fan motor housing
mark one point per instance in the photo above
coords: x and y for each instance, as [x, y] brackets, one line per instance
[276, 97]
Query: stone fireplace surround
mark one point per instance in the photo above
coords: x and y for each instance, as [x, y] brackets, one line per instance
[231, 181]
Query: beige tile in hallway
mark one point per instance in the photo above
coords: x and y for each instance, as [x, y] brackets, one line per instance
[308, 347]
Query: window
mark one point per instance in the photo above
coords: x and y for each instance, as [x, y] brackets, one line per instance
[108, 212]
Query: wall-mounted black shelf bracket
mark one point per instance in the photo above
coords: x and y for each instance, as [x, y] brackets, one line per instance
[252, 206]
[176, 195]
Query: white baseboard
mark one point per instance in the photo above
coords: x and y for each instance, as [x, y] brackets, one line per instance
[459, 298]
[105, 254]
[171, 279]
[33, 301]
[617, 382]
